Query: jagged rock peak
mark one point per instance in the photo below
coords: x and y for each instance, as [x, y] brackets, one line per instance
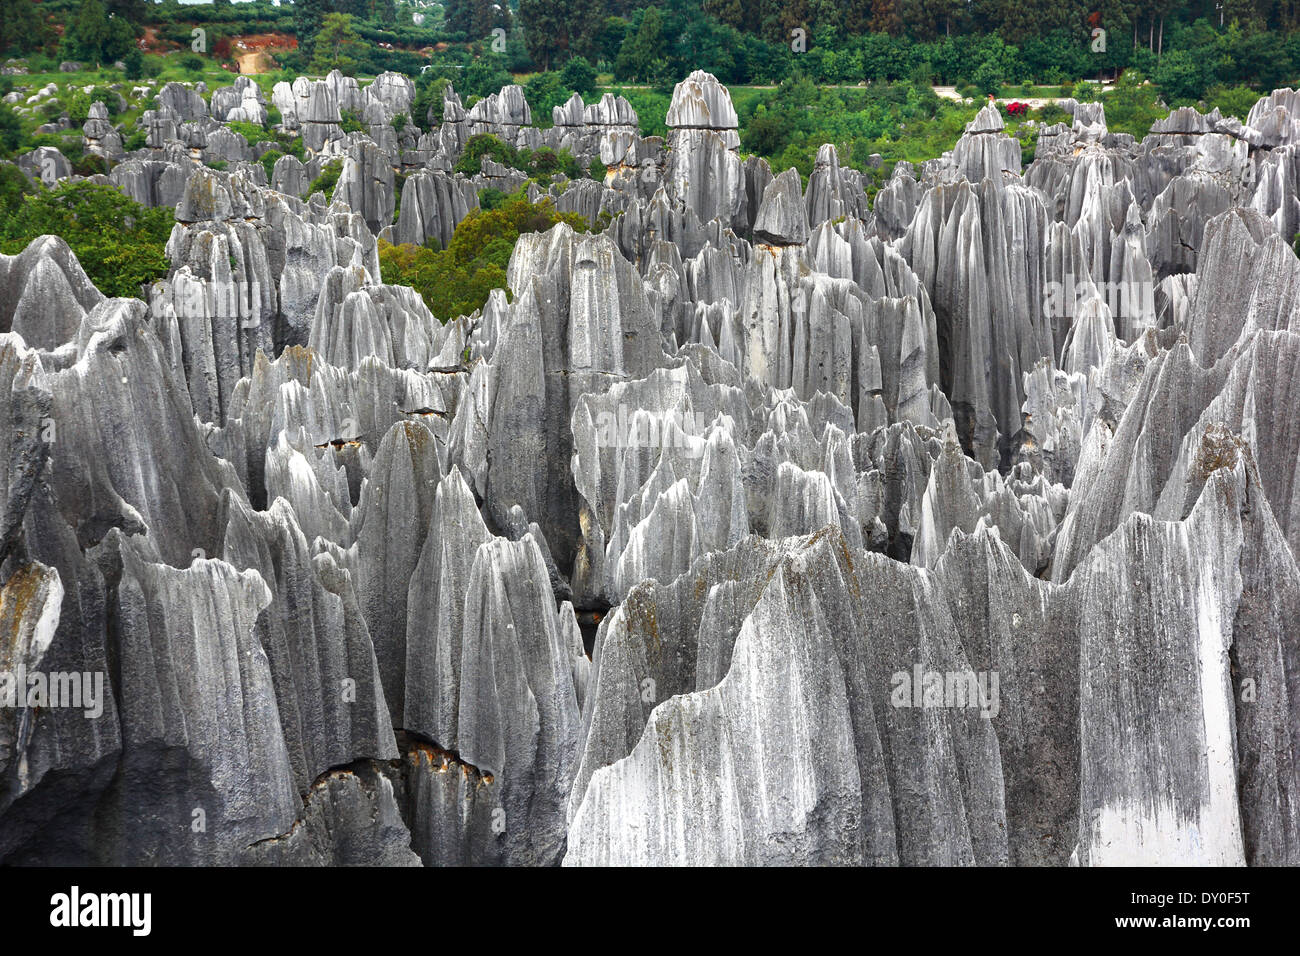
[701, 102]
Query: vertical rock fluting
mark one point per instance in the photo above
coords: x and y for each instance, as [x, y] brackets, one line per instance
[765, 525]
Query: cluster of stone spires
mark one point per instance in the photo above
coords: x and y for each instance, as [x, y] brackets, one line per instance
[336, 558]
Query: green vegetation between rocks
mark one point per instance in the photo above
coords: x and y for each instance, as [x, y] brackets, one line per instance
[118, 242]
[327, 180]
[457, 280]
[540, 164]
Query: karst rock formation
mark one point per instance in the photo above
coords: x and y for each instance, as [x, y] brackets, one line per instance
[669, 554]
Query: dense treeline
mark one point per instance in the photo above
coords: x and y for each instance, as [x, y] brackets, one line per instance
[102, 31]
[1045, 41]
[1185, 48]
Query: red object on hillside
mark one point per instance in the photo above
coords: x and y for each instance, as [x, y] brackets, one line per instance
[1017, 109]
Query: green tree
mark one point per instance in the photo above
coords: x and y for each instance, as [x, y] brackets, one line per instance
[14, 185]
[11, 130]
[134, 63]
[1180, 77]
[988, 77]
[768, 133]
[610, 38]
[485, 76]
[327, 180]
[644, 49]
[119, 243]
[308, 15]
[336, 46]
[485, 144]
[133, 11]
[546, 29]
[580, 76]
[554, 29]
[382, 11]
[89, 32]
[457, 280]
[544, 92]
[21, 26]
[427, 108]
[476, 19]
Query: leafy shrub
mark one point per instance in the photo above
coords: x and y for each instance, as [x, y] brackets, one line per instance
[485, 76]
[491, 198]
[544, 92]
[427, 108]
[767, 133]
[457, 280]
[1051, 114]
[1232, 100]
[13, 187]
[1087, 92]
[91, 164]
[988, 77]
[118, 242]
[352, 122]
[545, 162]
[268, 160]
[327, 180]
[250, 131]
[485, 144]
[134, 63]
[11, 130]
[1131, 107]
[580, 76]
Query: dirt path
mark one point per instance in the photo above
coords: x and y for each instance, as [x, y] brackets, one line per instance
[253, 52]
[254, 61]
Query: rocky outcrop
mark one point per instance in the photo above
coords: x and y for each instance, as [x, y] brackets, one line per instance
[433, 204]
[242, 102]
[247, 271]
[45, 165]
[704, 175]
[184, 103]
[311, 108]
[100, 137]
[45, 294]
[763, 525]
[366, 185]
[788, 658]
